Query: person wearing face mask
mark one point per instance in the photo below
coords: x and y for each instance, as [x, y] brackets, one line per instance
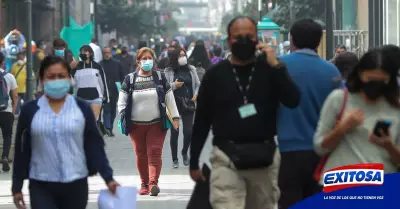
[239, 99]
[18, 70]
[185, 83]
[58, 145]
[126, 60]
[60, 48]
[372, 95]
[90, 80]
[144, 101]
[115, 75]
[114, 47]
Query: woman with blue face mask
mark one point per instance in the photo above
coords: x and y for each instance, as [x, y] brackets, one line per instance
[58, 145]
[143, 101]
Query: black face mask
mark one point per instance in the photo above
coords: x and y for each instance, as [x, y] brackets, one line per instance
[83, 57]
[124, 52]
[374, 89]
[244, 48]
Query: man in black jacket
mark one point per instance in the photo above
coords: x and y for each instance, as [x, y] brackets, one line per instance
[239, 98]
[115, 75]
[126, 60]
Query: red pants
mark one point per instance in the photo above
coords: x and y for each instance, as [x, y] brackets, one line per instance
[148, 142]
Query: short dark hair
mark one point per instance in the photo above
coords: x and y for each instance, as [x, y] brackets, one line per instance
[241, 17]
[59, 42]
[2, 58]
[393, 52]
[52, 60]
[306, 33]
[345, 62]
[341, 46]
[94, 40]
[371, 60]
[217, 51]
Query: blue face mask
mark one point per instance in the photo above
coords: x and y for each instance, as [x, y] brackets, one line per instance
[146, 65]
[59, 52]
[57, 89]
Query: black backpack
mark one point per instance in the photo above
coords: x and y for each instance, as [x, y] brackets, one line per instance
[4, 96]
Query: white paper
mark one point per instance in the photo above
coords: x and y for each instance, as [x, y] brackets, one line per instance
[124, 199]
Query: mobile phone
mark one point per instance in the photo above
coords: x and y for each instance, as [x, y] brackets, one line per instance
[382, 125]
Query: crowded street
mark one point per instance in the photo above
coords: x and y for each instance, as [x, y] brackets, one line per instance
[176, 185]
[196, 104]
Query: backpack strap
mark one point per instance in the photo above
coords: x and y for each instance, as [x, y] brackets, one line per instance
[344, 103]
[19, 71]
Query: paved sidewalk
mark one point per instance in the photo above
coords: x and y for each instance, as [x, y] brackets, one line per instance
[176, 185]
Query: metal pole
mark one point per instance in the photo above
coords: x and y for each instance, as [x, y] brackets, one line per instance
[61, 14]
[29, 71]
[67, 13]
[329, 29]
[292, 14]
[260, 9]
[96, 31]
[371, 40]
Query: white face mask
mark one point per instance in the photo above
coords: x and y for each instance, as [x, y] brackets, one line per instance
[20, 62]
[182, 61]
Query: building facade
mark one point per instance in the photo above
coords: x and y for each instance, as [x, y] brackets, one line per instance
[391, 22]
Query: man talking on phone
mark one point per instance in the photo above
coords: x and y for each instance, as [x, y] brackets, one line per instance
[239, 98]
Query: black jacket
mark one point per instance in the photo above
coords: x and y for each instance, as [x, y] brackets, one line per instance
[128, 63]
[114, 73]
[219, 100]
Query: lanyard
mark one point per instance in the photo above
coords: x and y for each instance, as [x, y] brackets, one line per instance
[245, 91]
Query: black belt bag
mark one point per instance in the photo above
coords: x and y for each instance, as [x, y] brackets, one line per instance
[251, 155]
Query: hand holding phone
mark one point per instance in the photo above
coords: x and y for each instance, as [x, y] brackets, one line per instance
[382, 126]
[381, 135]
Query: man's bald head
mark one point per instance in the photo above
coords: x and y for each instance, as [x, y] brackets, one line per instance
[107, 53]
[241, 23]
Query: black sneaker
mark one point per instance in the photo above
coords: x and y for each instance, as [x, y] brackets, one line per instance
[175, 164]
[186, 160]
[110, 133]
[6, 166]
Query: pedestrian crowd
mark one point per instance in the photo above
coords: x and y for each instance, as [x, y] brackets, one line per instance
[278, 123]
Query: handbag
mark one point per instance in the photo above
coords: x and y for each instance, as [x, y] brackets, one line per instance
[100, 124]
[250, 155]
[186, 104]
[324, 159]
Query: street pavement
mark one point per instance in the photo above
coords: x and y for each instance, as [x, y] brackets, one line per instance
[176, 185]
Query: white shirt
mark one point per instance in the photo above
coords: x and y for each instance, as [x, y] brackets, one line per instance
[11, 85]
[145, 107]
[98, 55]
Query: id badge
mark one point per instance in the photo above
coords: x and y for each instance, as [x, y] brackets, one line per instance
[247, 110]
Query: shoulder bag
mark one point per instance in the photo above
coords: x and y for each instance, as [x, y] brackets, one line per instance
[320, 167]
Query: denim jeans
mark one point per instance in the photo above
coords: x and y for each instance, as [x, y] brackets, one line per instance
[109, 114]
[53, 195]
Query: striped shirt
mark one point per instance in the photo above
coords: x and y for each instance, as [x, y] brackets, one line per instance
[145, 102]
[57, 143]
